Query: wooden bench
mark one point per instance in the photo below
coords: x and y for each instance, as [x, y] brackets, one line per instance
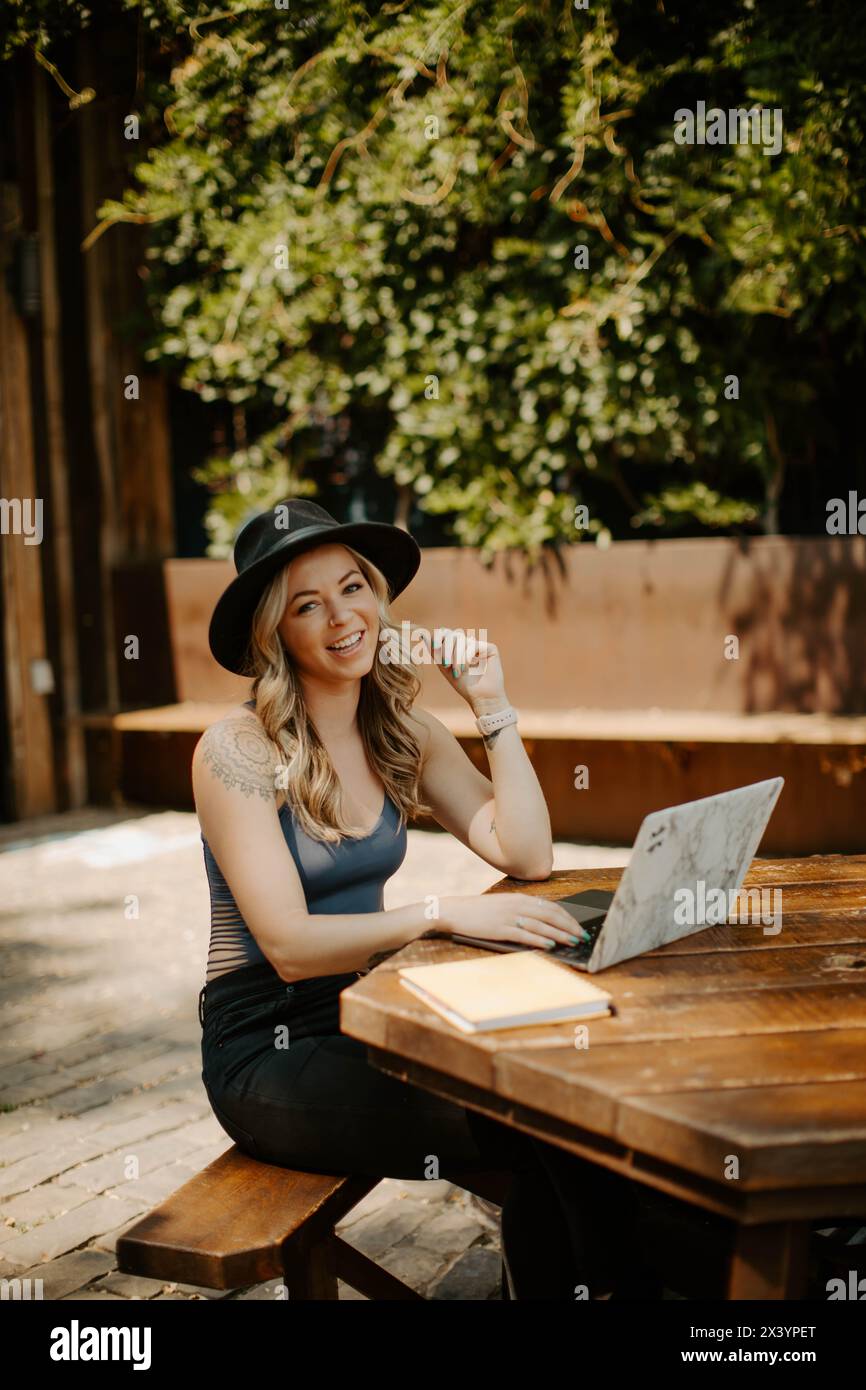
[241, 1222]
[639, 760]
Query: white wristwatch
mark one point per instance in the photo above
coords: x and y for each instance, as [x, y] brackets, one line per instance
[489, 723]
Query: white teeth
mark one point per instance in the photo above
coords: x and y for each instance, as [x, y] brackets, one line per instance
[346, 642]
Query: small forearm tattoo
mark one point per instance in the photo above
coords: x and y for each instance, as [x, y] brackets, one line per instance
[377, 957]
[239, 753]
[493, 827]
[490, 739]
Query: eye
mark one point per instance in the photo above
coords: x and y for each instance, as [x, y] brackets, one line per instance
[353, 584]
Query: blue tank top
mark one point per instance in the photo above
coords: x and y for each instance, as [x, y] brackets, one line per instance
[348, 876]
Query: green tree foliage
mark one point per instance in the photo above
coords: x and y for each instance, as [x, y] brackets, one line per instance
[377, 211]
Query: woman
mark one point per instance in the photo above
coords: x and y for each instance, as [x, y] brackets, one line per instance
[303, 795]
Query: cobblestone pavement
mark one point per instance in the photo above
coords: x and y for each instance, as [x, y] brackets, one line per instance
[103, 939]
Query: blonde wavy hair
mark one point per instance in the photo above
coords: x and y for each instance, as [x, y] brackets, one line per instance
[388, 692]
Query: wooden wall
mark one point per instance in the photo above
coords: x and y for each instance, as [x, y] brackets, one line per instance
[70, 431]
[643, 624]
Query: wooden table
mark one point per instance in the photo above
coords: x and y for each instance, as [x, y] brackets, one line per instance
[730, 1044]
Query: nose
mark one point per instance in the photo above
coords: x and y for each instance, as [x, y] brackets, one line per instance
[340, 611]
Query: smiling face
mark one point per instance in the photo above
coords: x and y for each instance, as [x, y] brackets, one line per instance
[328, 602]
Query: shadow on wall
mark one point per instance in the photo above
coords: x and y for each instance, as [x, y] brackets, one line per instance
[802, 625]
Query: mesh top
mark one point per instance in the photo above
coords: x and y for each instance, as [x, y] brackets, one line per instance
[349, 876]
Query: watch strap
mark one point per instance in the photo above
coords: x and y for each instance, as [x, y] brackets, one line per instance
[490, 723]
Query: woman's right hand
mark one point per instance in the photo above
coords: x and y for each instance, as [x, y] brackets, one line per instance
[510, 917]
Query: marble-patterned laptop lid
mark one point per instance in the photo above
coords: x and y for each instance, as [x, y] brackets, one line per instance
[681, 857]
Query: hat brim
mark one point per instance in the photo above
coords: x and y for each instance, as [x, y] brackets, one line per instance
[392, 550]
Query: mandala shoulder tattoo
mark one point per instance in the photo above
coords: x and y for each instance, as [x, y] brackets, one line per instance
[238, 751]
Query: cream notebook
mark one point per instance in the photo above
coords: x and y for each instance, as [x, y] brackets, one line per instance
[512, 990]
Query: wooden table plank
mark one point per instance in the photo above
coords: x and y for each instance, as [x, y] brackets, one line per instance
[818, 869]
[844, 928]
[685, 1017]
[728, 1199]
[382, 1012]
[731, 1063]
[783, 1136]
[663, 973]
[598, 1088]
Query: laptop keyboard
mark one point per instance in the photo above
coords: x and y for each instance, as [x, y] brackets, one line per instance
[589, 910]
[578, 955]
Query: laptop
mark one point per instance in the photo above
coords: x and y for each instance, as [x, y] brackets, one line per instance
[712, 841]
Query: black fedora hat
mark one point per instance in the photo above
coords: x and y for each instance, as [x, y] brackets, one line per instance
[274, 537]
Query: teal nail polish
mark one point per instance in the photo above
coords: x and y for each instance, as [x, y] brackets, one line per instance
[577, 939]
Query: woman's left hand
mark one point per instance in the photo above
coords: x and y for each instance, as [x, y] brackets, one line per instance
[477, 670]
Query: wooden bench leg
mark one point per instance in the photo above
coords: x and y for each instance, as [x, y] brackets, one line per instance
[310, 1270]
[770, 1261]
[363, 1274]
